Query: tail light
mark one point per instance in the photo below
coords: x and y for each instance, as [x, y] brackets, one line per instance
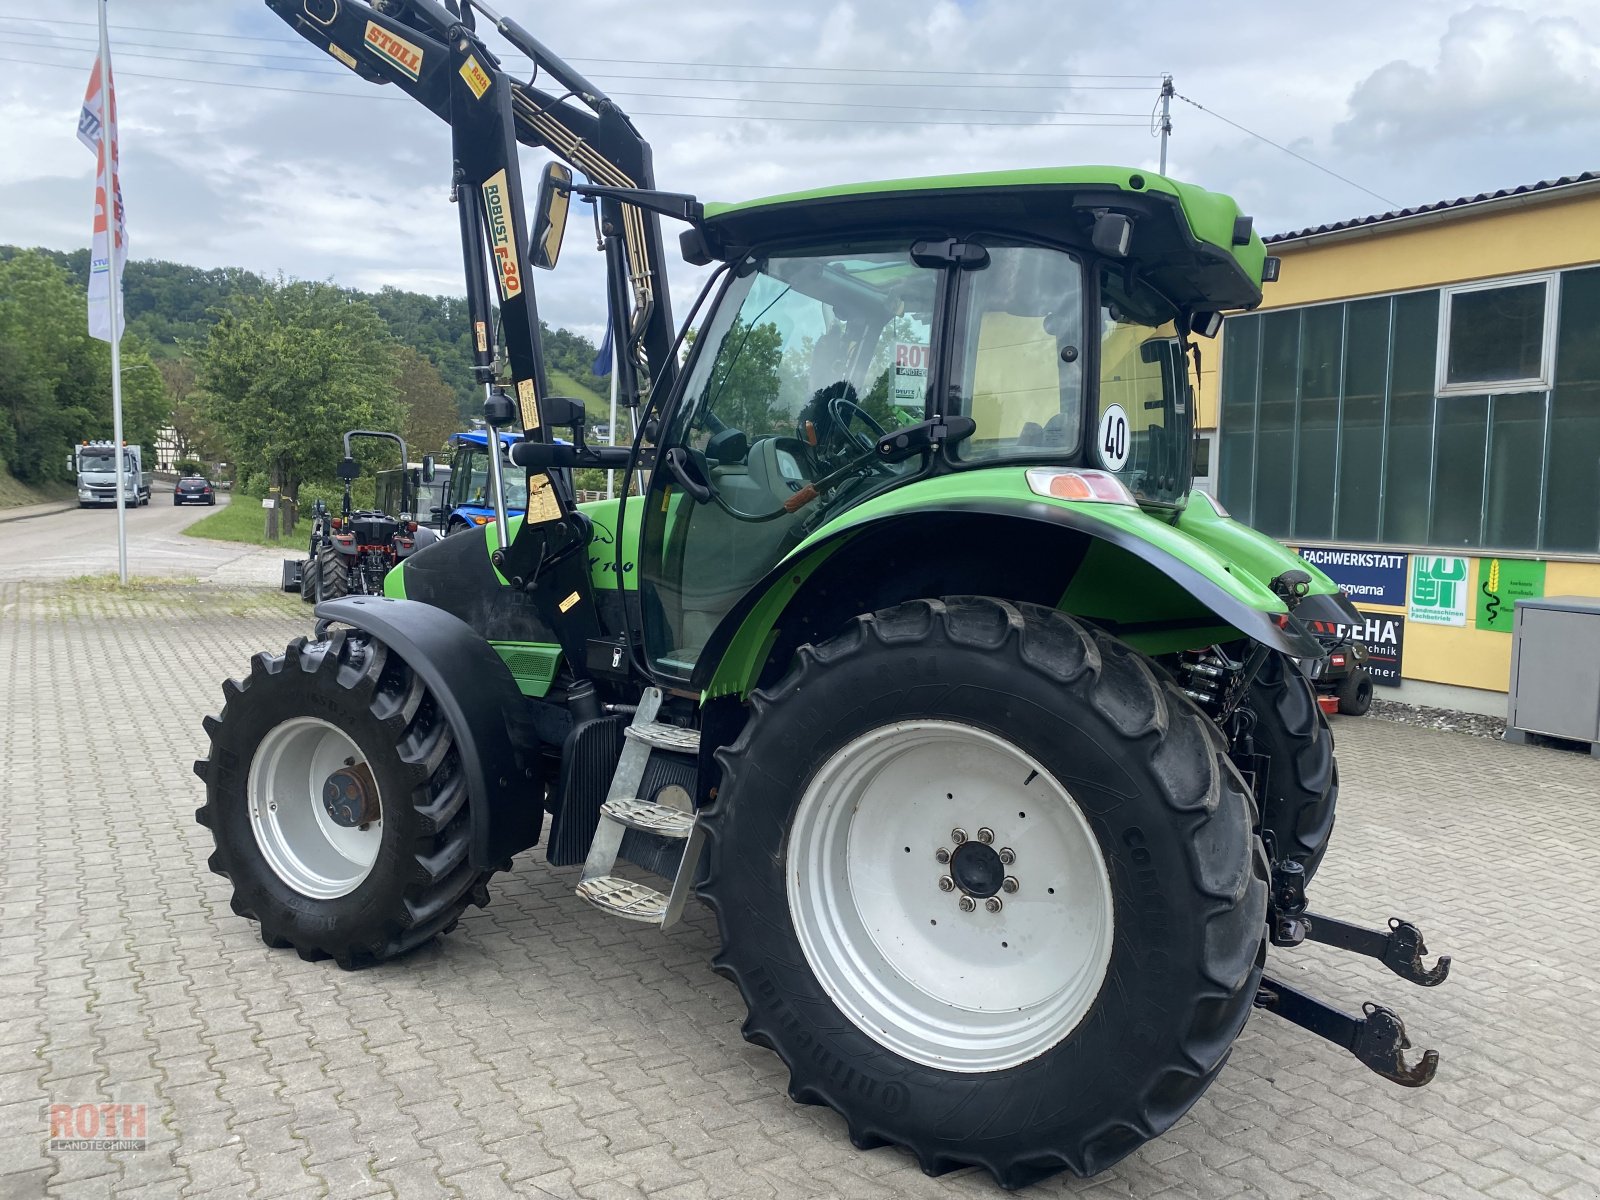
[1093, 486]
[480, 520]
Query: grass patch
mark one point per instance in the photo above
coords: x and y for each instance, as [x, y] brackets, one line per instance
[244, 520]
[14, 494]
[597, 406]
[103, 597]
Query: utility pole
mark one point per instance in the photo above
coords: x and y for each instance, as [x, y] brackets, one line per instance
[1165, 126]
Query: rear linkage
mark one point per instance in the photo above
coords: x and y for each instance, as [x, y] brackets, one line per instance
[1377, 1037]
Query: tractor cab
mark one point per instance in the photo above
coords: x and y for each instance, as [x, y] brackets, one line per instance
[884, 334]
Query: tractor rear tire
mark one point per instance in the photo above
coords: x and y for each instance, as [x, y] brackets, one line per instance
[1355, 693]
[1013, 1029]
[1302, 778]
[333, 574]
[341, 713]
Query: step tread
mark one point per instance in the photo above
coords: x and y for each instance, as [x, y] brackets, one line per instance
[650, 818]
[666, 737]
[624, 898]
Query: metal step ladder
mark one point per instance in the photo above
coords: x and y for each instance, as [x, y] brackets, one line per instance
[624, 810]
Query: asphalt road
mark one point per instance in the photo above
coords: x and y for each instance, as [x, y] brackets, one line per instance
[83, 541]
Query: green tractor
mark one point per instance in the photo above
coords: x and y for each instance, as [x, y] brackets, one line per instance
[911, 651]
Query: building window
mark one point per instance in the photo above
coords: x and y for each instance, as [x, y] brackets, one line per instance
[1497, 337]
[1333, 428]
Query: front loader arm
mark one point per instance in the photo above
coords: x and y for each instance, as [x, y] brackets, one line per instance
[422, 47]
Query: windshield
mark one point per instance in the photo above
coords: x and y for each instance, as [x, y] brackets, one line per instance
[472, 483]
[104, 462]
[1146, 421]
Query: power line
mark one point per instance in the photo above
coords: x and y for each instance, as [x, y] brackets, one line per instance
[1147, 75]
[1286, 150]
[654, 78]
[1034, 112]
[261, 87]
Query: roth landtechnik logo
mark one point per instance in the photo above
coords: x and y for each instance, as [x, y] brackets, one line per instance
[97, 1127]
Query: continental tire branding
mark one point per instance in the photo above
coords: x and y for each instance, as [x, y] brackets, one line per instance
[891, 1097]
[502, 239]
[395, 50]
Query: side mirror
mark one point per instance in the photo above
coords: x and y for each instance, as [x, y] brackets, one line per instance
[427, 468]
[1206, 324]
[550, 214]
[349, 469]
[1112, 234]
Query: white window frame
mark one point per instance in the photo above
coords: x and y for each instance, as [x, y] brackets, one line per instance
[1547, 353]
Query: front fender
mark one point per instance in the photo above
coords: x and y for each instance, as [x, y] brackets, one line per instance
[474, 690]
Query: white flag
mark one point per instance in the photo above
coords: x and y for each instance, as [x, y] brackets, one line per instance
[97, 129]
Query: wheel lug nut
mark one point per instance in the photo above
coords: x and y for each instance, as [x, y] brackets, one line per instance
[992, 903]
[1010, 886]
[942, 854]
[986, 835]
[968, 904]
[958, 836]
[1008, 856]
[946, 884]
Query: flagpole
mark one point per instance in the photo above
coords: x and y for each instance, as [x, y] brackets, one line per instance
[113, 292]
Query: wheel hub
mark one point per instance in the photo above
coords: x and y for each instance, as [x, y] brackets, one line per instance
[350, 796]
[977, 870]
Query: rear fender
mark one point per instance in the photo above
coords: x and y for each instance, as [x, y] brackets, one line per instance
[1116, 566]
[475, 692]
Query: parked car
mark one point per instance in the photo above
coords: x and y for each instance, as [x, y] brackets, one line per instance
[194, 489]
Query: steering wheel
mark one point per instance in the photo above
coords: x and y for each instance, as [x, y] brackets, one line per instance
[841, 410]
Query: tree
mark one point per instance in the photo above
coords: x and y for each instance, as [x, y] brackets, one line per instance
[427, 403]
[286, 372]
[55, 380]
[193, 437]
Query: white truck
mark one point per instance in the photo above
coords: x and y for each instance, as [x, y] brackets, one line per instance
[95, 465]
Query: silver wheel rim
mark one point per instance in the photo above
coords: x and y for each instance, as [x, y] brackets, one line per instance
[958, 989]
[298, 837]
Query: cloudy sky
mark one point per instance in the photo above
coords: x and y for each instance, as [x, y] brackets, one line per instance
[243, 145]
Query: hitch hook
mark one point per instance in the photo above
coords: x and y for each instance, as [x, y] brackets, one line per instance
[1382, 1044]
[1404, 953]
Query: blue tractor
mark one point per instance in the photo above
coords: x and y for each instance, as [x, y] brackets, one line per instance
[468, 503]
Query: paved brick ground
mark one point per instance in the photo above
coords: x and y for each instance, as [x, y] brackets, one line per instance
[545, 1050]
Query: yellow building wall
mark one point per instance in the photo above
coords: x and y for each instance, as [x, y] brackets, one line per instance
[1541, 236]
[1481, 658]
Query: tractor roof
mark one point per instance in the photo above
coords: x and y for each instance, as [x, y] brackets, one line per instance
[479, 437]
[1186, 240]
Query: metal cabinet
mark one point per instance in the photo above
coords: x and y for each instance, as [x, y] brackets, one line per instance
[1555, 670]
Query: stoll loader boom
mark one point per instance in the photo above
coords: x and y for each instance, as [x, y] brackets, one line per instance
[987, 739]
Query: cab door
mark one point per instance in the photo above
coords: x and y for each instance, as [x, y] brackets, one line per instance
[808, 359]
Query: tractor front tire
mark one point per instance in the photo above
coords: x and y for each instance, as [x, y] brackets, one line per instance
[1301, 790]
[337, 802]
[310, 571]
[333, 574]
[990, 887]
[1355, 693]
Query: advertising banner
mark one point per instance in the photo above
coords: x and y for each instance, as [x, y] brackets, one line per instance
[1501, 583]
[1384, 636]
[1438, 590]
[1367, 576]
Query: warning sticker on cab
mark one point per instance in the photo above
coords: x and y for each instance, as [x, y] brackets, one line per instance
[393, 48]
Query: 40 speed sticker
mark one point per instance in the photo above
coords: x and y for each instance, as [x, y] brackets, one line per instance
[1112, 440]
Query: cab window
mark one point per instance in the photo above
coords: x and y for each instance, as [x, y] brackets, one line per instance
[1145, 428]
[1020, 368]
